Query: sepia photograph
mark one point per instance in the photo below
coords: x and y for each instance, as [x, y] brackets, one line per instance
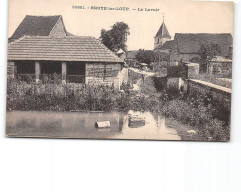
[129, 70]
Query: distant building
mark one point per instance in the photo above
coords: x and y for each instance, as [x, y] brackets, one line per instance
[162, 53]
[130, 57]
[186, 46]
[220, 66]
[166, 47]
[162, 36]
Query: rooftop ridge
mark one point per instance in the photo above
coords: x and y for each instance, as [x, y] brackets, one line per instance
[111, 52]
[163, 32]
[48, 37]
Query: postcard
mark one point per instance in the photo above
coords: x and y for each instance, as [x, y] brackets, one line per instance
[127, 69]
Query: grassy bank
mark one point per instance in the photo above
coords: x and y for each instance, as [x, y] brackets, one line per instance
[210, 118]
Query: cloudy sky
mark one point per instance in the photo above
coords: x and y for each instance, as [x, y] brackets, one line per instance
[180, 17]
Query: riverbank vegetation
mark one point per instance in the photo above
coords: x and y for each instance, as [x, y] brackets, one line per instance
[208, 116]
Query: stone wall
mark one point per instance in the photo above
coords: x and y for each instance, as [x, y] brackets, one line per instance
[11, 69]
[103, 74]
[218, 93]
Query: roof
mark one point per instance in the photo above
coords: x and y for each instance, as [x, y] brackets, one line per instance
[191, 43]
[69, 48]
[163, 32]
[168, 45]
[36, 26]
[132, 54]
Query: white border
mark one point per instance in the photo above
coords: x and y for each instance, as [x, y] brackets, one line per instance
[48, 166]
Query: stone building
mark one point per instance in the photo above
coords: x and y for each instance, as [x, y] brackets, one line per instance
[220, 66]
[130, 57]
[48, 49]
[186, 46]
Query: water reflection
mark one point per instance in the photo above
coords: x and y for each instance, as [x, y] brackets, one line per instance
[82, 125]
[154, 128]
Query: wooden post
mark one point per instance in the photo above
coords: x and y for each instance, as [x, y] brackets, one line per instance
[12, 69]
[86, 74]
[64, 72]
[37, 71]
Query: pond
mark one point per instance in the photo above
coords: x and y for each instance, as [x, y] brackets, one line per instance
[82, 125]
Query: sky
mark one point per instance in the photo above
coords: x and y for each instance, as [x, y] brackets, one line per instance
[180, 17]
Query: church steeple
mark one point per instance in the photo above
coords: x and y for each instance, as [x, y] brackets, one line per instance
[162, 35]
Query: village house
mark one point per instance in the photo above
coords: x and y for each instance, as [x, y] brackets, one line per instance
[76, 59]
[220, 66]
[187, 46]
[130, 57]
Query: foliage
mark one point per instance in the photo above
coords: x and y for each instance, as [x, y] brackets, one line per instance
[51, 79]
[145, 56]
[211, 118]
[194, 112]
[148, 86]
[115, 38]
[208, 52]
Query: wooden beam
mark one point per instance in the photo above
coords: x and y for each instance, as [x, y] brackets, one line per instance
[64, 72]
[37, 71]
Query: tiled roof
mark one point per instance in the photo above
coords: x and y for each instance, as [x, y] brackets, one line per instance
[163, 32]
[35, 26]
[191, 43]
[167, 45]
[132, 54]
[70, 48]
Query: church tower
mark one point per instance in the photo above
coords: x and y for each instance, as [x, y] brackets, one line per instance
[161, 36]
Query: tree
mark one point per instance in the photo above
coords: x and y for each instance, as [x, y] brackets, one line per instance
[208, 52]
[115, 38]
[145, 56]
